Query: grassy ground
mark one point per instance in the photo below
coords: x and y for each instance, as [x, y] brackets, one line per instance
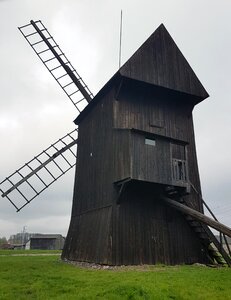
[46, 277]
[28, 252]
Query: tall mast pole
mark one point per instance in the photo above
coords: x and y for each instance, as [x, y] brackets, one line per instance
[121, 24]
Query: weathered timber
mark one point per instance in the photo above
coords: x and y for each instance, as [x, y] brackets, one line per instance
[139, 126]
[218, 245]
[199, 216]
[160, 62]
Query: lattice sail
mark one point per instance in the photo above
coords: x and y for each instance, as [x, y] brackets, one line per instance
[57, 63]
[26, 183]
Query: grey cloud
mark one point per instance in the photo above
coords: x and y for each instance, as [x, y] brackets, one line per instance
[34, 112]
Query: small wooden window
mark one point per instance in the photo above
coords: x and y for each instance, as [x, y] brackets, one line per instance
[150, 142]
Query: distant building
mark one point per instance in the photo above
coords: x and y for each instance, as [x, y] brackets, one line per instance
[45, 242]
[20, 237]
[6, 246]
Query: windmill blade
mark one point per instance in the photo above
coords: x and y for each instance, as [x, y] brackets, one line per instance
[57, 63]
[26, 183]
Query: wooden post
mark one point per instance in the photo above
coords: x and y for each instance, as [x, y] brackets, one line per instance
[197, 215]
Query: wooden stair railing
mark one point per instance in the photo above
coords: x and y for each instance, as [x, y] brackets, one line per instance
[200, 226]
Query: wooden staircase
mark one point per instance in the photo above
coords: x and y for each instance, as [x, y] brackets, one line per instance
[216, 252]
[199, 223]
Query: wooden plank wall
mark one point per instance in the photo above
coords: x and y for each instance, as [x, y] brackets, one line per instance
[122, 154]
[153, 110]
[162, 112]
[140, 229]
[94, 170]
[145, 231]
[151, 163]
[89, 237]
[89, 233]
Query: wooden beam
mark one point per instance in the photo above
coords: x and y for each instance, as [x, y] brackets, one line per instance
[198, 216]
[217, 244]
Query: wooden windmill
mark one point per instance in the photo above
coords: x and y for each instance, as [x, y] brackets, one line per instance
[137, 196]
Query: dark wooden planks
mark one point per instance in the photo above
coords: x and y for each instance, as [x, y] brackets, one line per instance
[89, 237]
[89, 232]
[94, 160]
[161, 112]
[151, 163]
[160, 62]
[149, 233]
[122, 156]
[153, 110]
[139, 228]
[198, 216]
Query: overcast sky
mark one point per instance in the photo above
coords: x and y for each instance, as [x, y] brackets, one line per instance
[35, 112]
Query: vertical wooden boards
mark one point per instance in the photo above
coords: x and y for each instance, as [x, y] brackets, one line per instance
[158, 112]
[148, 232]
[131, 132]
[88, 236]
[140, 229]
[154, 110]
[122, 155]
[94, 172]
[151, 162]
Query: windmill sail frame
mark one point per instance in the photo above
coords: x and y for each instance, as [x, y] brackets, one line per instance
[46, 171]
[54, 59]
[39, 173]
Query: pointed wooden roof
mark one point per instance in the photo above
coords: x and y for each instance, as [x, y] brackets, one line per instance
[160, 62]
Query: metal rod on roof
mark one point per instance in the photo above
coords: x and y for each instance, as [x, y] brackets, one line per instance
[121, 23]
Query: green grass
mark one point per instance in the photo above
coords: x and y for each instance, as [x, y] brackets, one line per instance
[46, 277]
[15, 252]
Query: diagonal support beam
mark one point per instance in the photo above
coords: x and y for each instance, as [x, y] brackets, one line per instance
[198, 216]
[217, 244]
